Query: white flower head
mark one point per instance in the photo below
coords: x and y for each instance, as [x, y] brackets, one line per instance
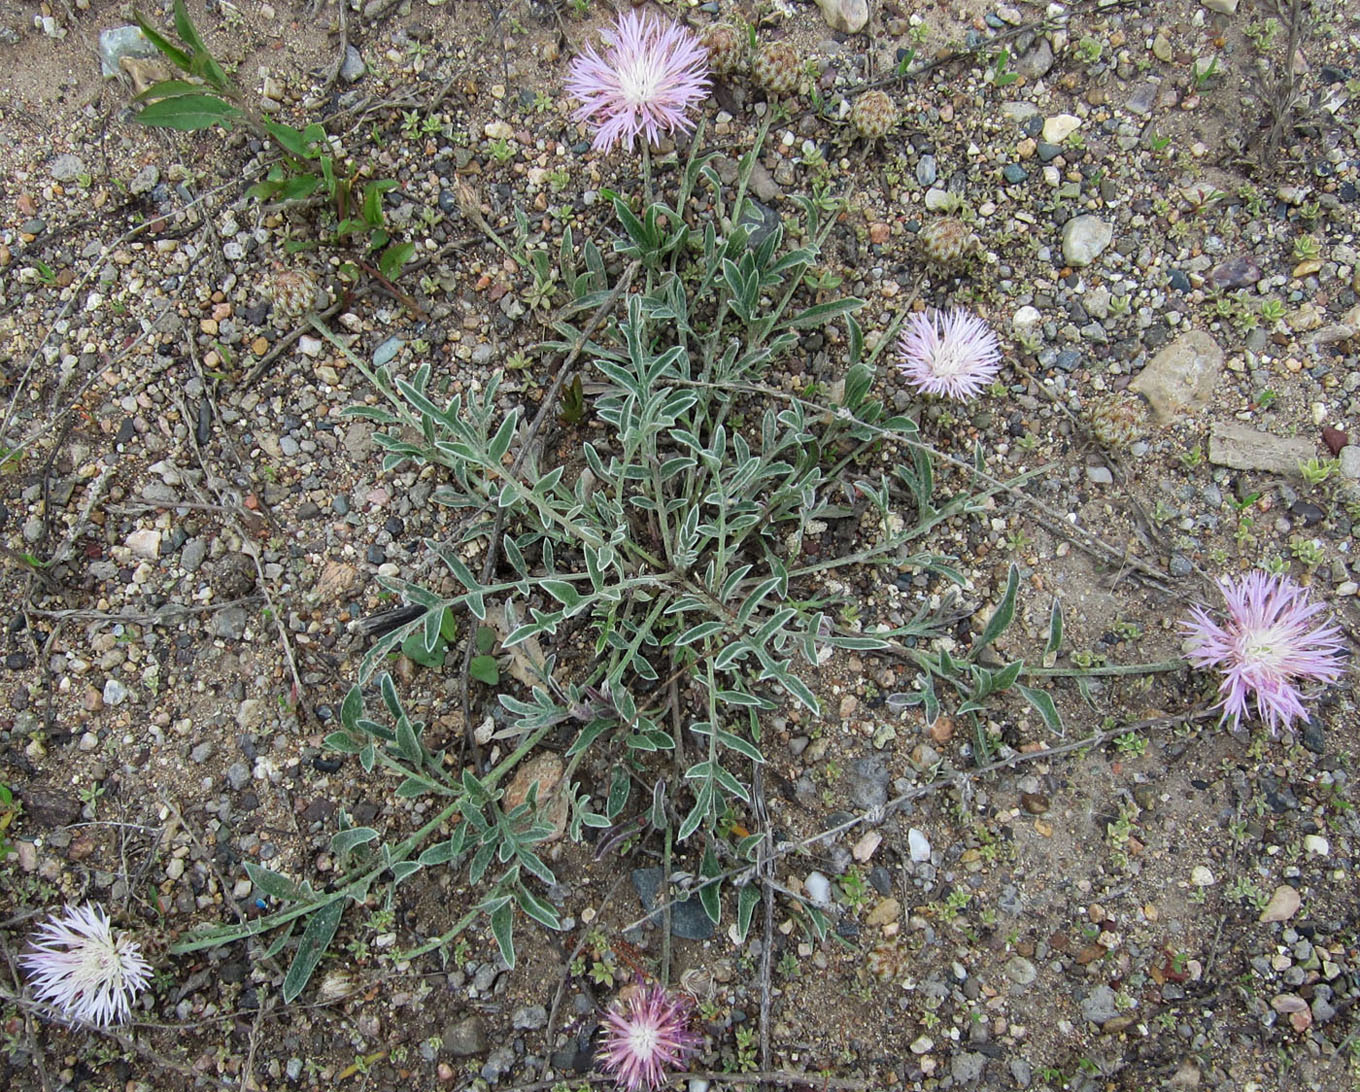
[82, 969]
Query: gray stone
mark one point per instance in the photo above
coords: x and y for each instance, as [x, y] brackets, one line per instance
[967, 1067]
[201, 753]
[868, 779]
[498, 1062]
[67, 168]
[119, 42]
[115, 693]
[238, 776]
[1348, 461]
[1021, 1072]
[1084, 238]
[144, 181]
[1098, 1006]
[229, 623]
[1035, 62]
[250, 714]
[688, 920]
[160, 493]
[529, 1018]
[1237, 272]
[846, 16]
[191, 557]
[1182, 376]
[763, 184]
[1238, 445]
[1021, 971]
[1143, 97]
[353, 66]
[1223, 7]
[465, 1037]
[926, 170]
[485, 978]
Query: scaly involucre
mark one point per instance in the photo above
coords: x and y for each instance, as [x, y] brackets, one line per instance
[1268, 645]
[651, 73]
[645, 1037]
[955, 355]
[82, 969]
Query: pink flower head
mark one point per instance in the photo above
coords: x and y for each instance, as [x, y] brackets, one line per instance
[652, 72]
[1266, 647]
[954, 354]
[645, 1036]
[82, 969]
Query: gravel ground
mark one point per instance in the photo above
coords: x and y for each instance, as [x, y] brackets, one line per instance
[192, 530]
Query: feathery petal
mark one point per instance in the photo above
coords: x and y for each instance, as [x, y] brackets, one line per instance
[1267, 647]
[645, 1036]
[956, 354]
[651, 73]
[82, 969]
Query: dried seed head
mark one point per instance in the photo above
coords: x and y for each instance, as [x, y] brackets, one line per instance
[946, 241]
[293, 292]
[1117, 419]
[777, 68]
[873, 115]
[726, 47]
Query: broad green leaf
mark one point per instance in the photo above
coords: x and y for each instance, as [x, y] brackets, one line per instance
[698, 633]
[290, 139]
[484, 670]
[394, 259]
[341, 741]
[188, 113]
[169, 89]
[173, 53]
[352, 708]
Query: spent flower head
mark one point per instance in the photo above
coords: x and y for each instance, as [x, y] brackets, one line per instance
[81, 968]
[646, 1035]
[652, 72]
[956, 354]
[1269, 645]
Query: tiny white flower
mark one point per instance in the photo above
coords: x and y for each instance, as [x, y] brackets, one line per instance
[82, 969]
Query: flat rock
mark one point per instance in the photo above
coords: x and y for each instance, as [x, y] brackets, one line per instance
[1036, 61]
[1098, 1006]
[688, 920]
[1238, 445]
[353, 66]
[67, 168]
[465, 1037]
[145, 544]
[1182, 376]
[47, 808]
[1284, 904]
[846, 16]
[1084, 238]
[1060, 126]
[545, 771]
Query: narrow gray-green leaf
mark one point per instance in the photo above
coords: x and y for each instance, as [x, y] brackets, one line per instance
[316, 938]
